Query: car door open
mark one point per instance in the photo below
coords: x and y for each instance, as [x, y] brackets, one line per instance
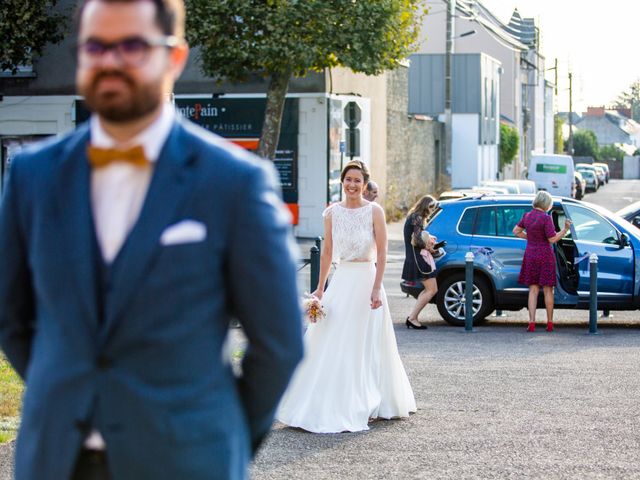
[592, 233]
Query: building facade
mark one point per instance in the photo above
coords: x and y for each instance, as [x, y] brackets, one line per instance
[475, 110]
[525, 97]
[317, 137]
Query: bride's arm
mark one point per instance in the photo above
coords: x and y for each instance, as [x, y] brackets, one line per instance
[380, 234]
[325, 257]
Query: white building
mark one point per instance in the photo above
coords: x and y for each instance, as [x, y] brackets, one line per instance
[525, 98]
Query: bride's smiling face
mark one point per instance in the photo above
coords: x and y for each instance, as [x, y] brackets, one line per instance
[353, 183]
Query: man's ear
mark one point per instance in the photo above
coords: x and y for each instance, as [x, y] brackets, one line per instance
[178, 56]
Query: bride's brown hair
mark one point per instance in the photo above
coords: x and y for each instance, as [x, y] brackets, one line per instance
[356, 165]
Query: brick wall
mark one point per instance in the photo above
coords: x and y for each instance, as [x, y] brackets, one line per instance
[414, 145]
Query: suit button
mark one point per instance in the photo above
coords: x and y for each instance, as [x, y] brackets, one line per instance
[103, 362]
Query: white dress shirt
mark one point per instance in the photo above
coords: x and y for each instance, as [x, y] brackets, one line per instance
[118, 191]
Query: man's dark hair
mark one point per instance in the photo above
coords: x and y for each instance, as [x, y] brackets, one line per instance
[169, 14]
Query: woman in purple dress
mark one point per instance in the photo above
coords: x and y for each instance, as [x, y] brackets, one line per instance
[539, 264]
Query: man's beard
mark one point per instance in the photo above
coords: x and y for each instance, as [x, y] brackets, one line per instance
[143, 99]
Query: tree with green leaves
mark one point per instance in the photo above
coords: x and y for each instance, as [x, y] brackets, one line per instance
[25, 29]
[281, 38]
[585, 144]
[611, 152]
[509, 144]
[630, 99]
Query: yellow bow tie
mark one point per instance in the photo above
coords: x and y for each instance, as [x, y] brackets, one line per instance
[101, 157]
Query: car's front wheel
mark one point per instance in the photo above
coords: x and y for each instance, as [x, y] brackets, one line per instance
[451, 299]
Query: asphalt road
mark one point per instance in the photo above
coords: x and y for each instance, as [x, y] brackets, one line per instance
[616, 194]
[498, 403]
[495, 404]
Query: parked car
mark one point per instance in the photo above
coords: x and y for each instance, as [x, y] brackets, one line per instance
[599, 172]
[509, 187]
[631, 213]
[452, 195]
[581, 185]
[525, 186]
[590, 178]
[466, 192]
[484, 226]
[602, 176]
[605, 167]
[491, 188]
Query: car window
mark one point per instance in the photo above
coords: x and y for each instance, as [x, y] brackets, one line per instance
[507, 217]
[466, 222]
[486, 221]
[558, 216]
[590, 226]
[630, 211]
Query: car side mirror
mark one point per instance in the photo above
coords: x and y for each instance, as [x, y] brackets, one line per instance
[624, 240]
[636, 221]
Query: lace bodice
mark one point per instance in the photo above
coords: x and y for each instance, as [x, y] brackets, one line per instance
[352, 233]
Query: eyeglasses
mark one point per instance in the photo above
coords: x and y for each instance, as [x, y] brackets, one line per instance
[130, 51]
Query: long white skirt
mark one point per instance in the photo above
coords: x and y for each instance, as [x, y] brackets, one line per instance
[352, 371]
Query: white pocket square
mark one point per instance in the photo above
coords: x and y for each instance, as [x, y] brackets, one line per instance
[185, 231]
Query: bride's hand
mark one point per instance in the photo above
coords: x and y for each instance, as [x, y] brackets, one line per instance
[376, 301]
[318, 293]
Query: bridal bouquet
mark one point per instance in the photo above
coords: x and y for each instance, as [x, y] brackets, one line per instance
[313, 308]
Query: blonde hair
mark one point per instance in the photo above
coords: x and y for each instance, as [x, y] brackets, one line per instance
[543, 200]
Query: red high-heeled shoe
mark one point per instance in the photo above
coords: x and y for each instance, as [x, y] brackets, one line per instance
[531, 327]
[549, 326]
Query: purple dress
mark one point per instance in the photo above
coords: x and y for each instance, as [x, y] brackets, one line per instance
[538, 264]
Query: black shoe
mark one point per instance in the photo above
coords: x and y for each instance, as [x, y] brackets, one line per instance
[413, 325]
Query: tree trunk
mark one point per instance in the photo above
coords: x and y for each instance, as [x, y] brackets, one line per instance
[278, 86]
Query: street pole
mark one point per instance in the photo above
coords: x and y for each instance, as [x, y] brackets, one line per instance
[570, 146]
[448, 57]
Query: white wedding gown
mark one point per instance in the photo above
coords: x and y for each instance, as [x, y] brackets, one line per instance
[351, 371]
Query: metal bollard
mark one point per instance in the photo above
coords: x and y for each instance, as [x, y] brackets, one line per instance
[315, 268]
[319, 243]
[593, 292]
[468, 292]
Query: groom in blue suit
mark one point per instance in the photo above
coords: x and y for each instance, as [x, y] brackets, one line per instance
[128, 246]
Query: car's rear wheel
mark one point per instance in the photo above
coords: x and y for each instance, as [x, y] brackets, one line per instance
[451, 299]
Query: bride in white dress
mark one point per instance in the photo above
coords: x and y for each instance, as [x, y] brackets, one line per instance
[352, 372]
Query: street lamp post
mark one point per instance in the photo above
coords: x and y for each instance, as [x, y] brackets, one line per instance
[445, 169]
[448, 57]
[570, 146]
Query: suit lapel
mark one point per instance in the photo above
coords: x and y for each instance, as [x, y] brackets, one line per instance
[73, 200]
[168, 189]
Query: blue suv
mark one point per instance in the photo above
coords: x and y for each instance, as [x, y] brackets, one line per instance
[483, 225]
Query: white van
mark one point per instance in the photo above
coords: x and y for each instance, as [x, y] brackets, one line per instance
[553, 173]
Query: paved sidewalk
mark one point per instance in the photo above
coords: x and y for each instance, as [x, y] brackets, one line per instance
[498, 403]
[495, 404]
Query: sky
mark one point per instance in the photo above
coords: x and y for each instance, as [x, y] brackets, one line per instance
[596, 40]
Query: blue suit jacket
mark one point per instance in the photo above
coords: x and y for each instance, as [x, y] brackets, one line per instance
[148, 371]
